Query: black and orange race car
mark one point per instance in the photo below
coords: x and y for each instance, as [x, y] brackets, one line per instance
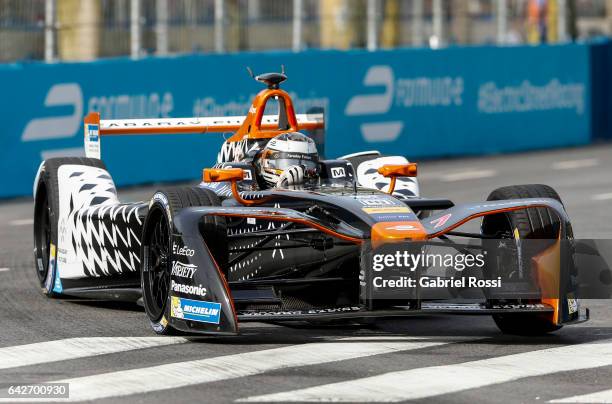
[203, 259]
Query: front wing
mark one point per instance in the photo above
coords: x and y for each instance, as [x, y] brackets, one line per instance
[217, 296]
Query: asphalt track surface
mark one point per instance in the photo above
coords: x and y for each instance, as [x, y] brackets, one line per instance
[460, 359]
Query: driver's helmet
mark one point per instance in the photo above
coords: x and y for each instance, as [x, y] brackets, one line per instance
[284, 151]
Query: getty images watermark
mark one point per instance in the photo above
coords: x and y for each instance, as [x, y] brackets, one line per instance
[18, 391]
[408, 263]
[490, 268]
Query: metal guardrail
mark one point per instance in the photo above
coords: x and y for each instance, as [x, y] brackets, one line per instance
[90, 29]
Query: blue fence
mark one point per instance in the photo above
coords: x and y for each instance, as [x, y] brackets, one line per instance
[416, 102]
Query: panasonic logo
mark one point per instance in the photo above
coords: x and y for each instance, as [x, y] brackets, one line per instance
[188, 289]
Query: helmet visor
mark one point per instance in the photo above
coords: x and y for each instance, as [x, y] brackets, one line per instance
[284, 160]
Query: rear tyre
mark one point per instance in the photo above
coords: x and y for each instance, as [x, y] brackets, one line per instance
[533, 223]
[156, 247]
[46, 216]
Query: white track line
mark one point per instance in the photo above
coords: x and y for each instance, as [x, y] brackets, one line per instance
[5, 269]
[21, 222]
[74, 348]
[437, 380]
[468, 175]
[599, 397]
[175, 375]
[573, 164]
[602, 197]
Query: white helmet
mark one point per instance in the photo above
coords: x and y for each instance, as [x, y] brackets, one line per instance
[285, 151]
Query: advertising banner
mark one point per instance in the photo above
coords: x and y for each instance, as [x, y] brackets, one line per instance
[419, 103]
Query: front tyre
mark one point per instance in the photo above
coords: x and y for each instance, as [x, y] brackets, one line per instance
[532, 223]
[46, 216]
[156, 254]
[155, 276]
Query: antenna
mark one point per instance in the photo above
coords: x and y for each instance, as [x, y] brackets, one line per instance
[250, 72]
[271, 80]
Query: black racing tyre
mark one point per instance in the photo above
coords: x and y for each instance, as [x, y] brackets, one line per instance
[156, 246]
[533, 223]
[46, 216]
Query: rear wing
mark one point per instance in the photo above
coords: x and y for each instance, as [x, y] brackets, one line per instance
[95, 128]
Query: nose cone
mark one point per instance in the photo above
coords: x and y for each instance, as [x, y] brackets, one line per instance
[394, 232]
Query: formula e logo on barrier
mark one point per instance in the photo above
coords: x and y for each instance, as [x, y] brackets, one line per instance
[195, 310]
[57, 127]
[376, 104]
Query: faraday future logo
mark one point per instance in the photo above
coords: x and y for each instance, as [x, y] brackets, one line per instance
[376, 104]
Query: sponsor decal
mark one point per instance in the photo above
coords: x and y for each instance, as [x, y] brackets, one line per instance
[50, 269]
[377, 201]
[194, 310]
[386, 217]
[524, 306]
[92, 141]
[188, 289]
[251, 220]
[332, 310]
[145, 261]
[338, 172]
[572, 304]
[93, 132]
[54, 270]
[402, 227]
[62, 231]
[389, 209]
[293, 156]
[185, 251]
[439, 222]
[160, 197]
[153, 123]
[183, 270]
[61, 256]
[161, 325]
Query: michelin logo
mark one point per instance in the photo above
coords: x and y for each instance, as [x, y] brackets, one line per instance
[194, 310]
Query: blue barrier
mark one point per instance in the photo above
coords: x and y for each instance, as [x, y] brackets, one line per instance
[601, 67]
[416, 102]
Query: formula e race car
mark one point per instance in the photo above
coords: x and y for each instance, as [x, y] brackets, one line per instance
[202, 259]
